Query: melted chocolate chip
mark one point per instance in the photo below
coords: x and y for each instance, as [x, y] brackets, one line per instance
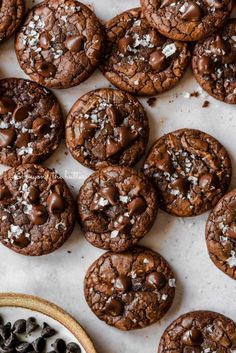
[46, 69]
[205, 65]
[110, 193]
[31, 325]
[123, 284]
[39, 344]
[137, 206]
[7, 136]
[38, 214]
[156, 38]
[216, 4]
[126, 136]
[156, 280]
[231, 232]
[87, 128]
[192, 337]
[114, 116]
[180, 184]
[33, 194]
[74, 43]
[158, 61]
[40, 126]
[22, 140]
[192, 11]
[56, 203]
[73, 347]
[7, 105]
[47, 331]
[4, 192]
[220, 46]
[21, 241]
[112, 147]
[208, 181]
[165, 163]
[21, 113]
[124, 45]
[166, 3]
[19, 326]
[44, 40]
[114, 308]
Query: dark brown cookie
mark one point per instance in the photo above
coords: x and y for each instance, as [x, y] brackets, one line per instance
[11, 14]
[139, 59]
[130, 290]
[31, 123]
[60, 43]
[191, 171]
[107, 127]
[187, 20]
[199, 331]
[221, 234]
[214, 64]
[117, 206]
[36, 210]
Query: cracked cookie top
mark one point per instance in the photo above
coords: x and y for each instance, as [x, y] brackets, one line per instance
[36, 210]
[221, 234]
[11, 14]
[214, 64]
[130, 290]
[191, 171]
[60, 43]
[187, 20]
[117, 206]
[140, 60]
[107, 127]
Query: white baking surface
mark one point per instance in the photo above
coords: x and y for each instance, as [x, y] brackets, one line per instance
[58, 277]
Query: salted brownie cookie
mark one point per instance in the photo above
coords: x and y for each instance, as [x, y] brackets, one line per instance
[31, 123]
[60, 43]
[221, 234]
[187, 20]
[106, 127]
[130, 290]
[36, 210]
[191, 171]
[117, 206]
[199, 331]
[214, 64]
[140, 60]
[11, 14]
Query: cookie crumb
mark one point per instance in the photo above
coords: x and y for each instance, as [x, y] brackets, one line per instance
[151, 101]
[205, 104]
[68, 251]
[194, 94]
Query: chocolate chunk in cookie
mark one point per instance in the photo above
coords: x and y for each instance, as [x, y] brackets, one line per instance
[130, 290]
[139, 59]
[60, 43]
[117, 206]
[31, 123]
[187, 20]
[191, 171]
[107, 127]
[11, 14]
[199, 331]
[36, 210]
[214, 64]
[221, 234]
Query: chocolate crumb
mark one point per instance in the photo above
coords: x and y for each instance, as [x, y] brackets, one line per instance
[194, 94]
[151, 101]
[205, 104]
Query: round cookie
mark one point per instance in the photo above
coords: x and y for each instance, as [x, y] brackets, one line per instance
[31, 123]
[117, 206]
[130, 290]
[107, 127]
[191, 171]
[187, 20]
[36, 210]
[140, 60]
[221, 234]
[214, 64]
[11, 14]
[60, 43]
[199, 331]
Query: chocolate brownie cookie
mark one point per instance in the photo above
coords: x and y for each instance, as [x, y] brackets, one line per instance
[31, 123]
[187, 20]
[117, 206]
[36, 210]
[199, 331]
[106, 127]
[221, 234]
[214, 64]
[130, 290]
[11, 14]
[60, 43]
[191, 171]
[140, 60]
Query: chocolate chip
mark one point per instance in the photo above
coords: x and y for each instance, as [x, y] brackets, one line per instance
[56, 203]
[19, 326]
[137, 206]
[21, 241]
[165, 163]
[220, 46]
[31, 325]
[114, 308]
[123, 284]
[5, 330]
[158, 61]
[21, 113]
[7, 136]
[208, 181]
[87, 128]
[58, 188]
[126, 136]
[11, 341]
[156, 38]
[166, 3]
[33, 194]
[231, 231]
[22, 139]
[7, 105]
[216, 4]
[205, 65]
[191, 350]
[110, 193]
[74, 43]
[4, 349]
[121, 223]
[40, 126]
[73, 347]
[4, 192]
[45, 68]
[59, 345]
[44, 40]
[39, 344]
[124, 45]
[38, 214]
[114, 116]
[24, 347]
[112, 147]
[180, 184]
[192, 11]
[156, 280]
[47, 331]
[192, 337]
